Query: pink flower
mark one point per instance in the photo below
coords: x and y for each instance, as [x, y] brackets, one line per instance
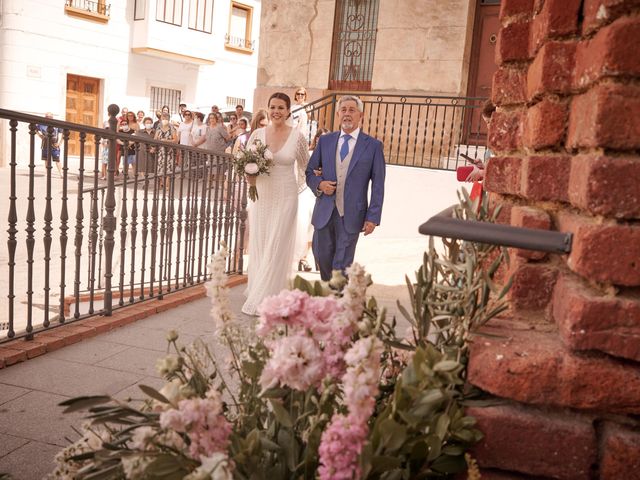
[202, 420]
[296, 362]
[340, 448]
[360, 382]
[281, 309]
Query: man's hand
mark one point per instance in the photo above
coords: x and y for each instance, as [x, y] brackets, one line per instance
[318, 172]
[327, 187]
[368, 228]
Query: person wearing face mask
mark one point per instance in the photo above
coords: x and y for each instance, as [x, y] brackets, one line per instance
[165, 156]
[146, 157]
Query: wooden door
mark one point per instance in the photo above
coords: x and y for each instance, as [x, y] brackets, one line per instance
[83, 96]
[482, 65]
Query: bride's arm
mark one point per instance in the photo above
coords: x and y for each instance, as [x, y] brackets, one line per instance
[302, 160]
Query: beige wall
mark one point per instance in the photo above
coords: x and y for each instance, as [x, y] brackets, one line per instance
[422, 46]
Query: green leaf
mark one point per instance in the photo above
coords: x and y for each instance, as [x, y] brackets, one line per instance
[449, 464]
[167, 467]
[274, 393]
[442, 426]
[383, 463]
[393, 434]
[281, 414]
[446, 366]
[435, 446]
[153, 393]
[83, 403]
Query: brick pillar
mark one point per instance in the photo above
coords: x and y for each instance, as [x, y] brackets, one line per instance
[566, 135]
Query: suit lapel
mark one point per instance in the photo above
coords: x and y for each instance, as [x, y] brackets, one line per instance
[361, 146]
[329, 162]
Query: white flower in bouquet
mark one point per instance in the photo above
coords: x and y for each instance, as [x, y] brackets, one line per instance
[251, 169]
[254, 159]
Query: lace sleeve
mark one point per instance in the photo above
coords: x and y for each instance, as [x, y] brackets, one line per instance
[302, 159]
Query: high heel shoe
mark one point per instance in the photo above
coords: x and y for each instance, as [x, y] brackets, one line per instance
[303, 266]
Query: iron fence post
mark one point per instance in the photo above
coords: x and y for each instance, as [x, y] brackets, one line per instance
[110, 219]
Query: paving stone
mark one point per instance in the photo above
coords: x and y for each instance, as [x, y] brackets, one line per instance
[135, 360]
[9, 392]
[71, 379]
[37, 416]
[30, 462]
[9, 443]
[88, 352]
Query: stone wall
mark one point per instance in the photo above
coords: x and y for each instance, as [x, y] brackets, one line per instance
[567, 138]
[418, 49]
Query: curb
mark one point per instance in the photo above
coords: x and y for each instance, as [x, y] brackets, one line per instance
[20, 350]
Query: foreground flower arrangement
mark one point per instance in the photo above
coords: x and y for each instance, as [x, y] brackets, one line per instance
[321, 387]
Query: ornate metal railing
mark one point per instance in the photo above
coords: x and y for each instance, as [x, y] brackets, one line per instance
[137, 235]
[100, 8]
[417, 130]
[239, 42]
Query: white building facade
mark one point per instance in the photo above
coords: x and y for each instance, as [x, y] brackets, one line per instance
[75, 57]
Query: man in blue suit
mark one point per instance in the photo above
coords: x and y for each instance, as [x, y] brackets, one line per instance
[348, 161]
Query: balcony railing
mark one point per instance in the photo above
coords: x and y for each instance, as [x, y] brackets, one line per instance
[96, 8]
[416, 130]
[77, 246]
[240, 43]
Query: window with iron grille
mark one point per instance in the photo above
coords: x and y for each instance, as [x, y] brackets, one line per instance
[201, 15]
[233, 101]
[165, 96]
[354, 43]
[240, 25]
[169, 11]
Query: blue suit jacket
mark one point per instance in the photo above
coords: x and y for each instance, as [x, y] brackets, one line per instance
[367, 165]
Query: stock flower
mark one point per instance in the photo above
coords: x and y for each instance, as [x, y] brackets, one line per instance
[172, 336]
[268, 155]
[360, 381]
[203, 422]
[340, 448]
[214, 467]
[296, 361]
[217, 289]
[281, 309]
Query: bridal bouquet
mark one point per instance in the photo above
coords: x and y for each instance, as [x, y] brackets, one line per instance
[253, 160]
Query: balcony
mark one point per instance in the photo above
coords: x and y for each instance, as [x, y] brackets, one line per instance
[239, 44]
[97, 11]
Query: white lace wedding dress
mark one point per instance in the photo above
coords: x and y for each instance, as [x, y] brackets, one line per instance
[272, 220]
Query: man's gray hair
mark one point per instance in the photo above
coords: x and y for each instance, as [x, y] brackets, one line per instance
[353, 98]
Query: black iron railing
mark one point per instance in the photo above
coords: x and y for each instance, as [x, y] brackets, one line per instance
[417, 130]
[139, 234]
[239, 42]
[98, 7]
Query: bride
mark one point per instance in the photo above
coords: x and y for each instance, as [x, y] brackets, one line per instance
[273, 216]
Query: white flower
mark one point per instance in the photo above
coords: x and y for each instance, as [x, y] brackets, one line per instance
[134, 466]
[169, 364]
[251, 168]
[253, 148]
[268, 155]
[172, 391]
[215, 467]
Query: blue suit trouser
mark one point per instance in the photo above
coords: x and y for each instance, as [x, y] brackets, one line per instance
[334, 247]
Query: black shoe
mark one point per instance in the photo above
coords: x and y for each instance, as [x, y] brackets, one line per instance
[303, 266]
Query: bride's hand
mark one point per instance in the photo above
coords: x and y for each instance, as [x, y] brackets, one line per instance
[251, 180]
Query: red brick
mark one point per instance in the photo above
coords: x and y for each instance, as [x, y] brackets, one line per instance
[51, 342]
[515, 8]
[100, 324]
[606, 116]
[534, 368]
[509, 86]
[532, 286]
[546, 177]
[621, 453]
[552, 69]
[535, 442]
[600, 12]
[608, 53]
[10, 356]
[545, 124]
[505, 130]
[32, 348]
[513, 43]
[487, 474]
[530, 217]
[606, 185]
[604, 252]
[503, 175]
[590, 320]
[557, 18]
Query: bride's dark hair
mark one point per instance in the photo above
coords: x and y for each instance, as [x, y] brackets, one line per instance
[281, 96]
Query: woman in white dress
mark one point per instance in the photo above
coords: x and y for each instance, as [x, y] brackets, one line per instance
[273, 217]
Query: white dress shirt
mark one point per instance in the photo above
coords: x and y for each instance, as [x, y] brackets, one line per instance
[352, 140]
